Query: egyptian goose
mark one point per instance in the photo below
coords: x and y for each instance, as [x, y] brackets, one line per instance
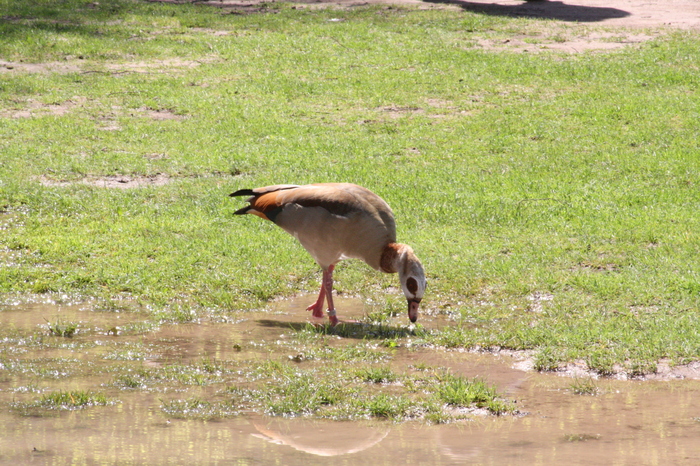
[335, 221]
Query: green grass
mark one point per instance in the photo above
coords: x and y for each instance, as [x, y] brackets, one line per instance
[72, 400]
[313, 375]
[512, 175]
[584, 387]
[61, 328]
[327, 391]
[196, 408]
[390, 406]
[462, 392]
[376, 375]
[333, 392]
[302, 394]
[61, 401]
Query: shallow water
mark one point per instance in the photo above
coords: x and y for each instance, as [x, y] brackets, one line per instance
[627, 422]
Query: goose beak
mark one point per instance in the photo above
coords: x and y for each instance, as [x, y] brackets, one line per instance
[413, 309]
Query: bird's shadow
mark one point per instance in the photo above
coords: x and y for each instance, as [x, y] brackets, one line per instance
[357, 330]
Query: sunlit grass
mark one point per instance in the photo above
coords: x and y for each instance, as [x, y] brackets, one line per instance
[196, 408]
[61, 401]
[289, 389]
[61, 328]
[376, 375]
[584, 386]
[462, 392]
[71, 399]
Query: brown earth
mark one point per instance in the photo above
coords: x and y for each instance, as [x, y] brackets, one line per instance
[577, 25]
[684, 14]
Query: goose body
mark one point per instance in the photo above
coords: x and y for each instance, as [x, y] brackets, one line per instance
[336, 221]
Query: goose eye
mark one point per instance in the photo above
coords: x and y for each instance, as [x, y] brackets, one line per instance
[412, 285]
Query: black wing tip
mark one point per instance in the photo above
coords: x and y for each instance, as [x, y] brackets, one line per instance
[242, 211]
[242, 192]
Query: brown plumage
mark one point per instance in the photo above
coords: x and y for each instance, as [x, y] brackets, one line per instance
[335, 221]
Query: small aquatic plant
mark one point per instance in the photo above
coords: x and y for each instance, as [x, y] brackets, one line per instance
[583, 387]
[196, 408]
[376, 375]
[459, 391]
[303, 394]
[61, 328]
[572, 438]
[62, 401]
[462, 392]
[390, 406]
[72, 399]
[140, 378]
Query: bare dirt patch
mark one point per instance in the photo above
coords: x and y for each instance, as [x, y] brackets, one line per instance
[124, 182]
[48, 67]
[34, 108]
[109, 121]
[129, 181]
[622, 13]
[569, 42]
[106, 121]
[73, 64]
[171, 64]
[116, 181]
[161, 114]
[665, 369]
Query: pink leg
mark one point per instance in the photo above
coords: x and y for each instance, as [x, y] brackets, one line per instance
[317, 307]
[328, 285]
[326, 293]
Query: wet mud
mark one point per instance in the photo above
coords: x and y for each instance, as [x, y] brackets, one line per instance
[619, 422]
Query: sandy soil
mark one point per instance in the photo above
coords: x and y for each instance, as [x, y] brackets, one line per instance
[578, 25]
[684, 14]
[624, 13]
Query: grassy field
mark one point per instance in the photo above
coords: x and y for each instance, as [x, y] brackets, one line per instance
[552, 197]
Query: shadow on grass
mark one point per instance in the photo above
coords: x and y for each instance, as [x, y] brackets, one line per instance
[541, 9]
[357, 330]
[66, 16]
[22, 20]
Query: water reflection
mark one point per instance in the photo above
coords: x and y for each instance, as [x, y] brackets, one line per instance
[652, 423]
[321, 438]
[641, 426]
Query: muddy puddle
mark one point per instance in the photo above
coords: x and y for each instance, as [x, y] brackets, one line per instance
[619, 422]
